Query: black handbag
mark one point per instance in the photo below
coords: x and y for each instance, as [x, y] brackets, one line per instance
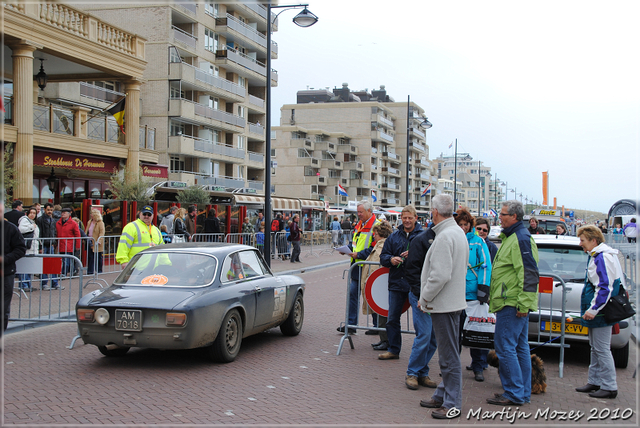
[28, 239]
[618, 307]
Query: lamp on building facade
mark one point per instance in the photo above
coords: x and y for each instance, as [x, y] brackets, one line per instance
[425, 124]
[41, 77]
[303, 19]
[52, 181]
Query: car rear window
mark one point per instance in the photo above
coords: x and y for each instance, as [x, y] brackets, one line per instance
[569, 263]
[169, 269]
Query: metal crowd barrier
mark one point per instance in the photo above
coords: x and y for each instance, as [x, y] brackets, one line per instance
[208, 237]
[46, 304]
[347, 326]
[547, 300]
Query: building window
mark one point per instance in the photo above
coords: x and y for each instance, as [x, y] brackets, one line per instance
[241, 141]
[213, 102]
[176, 93]
[241, 111]
[303, 153]
[241, 172]
[210, 40]
[211, 8]
[176, 164]
[217, 136]
[242, 81]
[176, 129]
[309, 171]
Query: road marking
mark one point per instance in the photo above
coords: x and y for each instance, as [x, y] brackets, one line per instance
[252, 399]
[229, 413]
[271, 387]
[304, 367]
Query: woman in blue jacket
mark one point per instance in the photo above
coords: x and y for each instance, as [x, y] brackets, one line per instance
[478, 273]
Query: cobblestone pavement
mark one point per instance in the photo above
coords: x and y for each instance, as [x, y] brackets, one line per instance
[275, 379]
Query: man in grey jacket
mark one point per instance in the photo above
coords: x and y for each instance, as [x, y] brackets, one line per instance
[168, 219]
[442, 294]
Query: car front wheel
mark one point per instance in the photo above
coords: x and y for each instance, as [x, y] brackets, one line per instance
[115, 352]
[293, 324]
[226, 347]
[621, 356]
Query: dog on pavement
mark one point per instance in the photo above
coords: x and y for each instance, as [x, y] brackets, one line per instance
[538, 376]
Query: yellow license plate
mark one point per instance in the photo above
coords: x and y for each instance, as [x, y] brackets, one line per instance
[568, 328]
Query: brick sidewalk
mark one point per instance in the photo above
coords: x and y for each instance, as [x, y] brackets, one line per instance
[275, 380]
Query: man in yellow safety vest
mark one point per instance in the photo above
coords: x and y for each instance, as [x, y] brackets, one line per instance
[137, 236]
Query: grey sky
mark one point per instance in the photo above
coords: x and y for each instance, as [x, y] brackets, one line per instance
[525, 87]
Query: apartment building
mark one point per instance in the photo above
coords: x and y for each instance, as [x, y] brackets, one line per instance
[61, 67]
[205, 86]
[357, 139]
[476, 187]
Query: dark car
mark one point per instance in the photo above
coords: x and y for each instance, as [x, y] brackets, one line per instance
[197, 295]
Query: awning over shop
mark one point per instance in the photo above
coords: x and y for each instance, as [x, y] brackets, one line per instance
[279, 204]
[76, 161]
[311, 204]
[155, 171]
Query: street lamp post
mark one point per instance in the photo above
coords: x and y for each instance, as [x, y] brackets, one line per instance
[303, 19]
[424, 124]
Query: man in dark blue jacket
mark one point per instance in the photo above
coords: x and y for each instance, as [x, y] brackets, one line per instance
[393, 255]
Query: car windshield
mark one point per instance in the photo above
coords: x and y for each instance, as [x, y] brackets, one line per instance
[569, 263]
[169, 269]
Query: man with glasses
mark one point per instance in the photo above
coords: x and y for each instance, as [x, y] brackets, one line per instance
[483, 227]
[513, 294]
[137, 236]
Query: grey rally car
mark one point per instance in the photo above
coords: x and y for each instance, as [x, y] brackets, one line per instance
[185, 296]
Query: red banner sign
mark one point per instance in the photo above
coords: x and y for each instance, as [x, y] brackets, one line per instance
[155, 171]
[74, 161]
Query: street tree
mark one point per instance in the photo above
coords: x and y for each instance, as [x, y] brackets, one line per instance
[193, 195]
[139, 190]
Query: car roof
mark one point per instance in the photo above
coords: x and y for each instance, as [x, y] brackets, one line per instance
[213, 248]
[560, 240]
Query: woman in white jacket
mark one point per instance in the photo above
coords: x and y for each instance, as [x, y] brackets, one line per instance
[30, 231]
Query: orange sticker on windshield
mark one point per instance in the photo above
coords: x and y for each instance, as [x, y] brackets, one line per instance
[155, 280]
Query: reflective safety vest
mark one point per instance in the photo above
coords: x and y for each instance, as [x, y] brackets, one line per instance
[136, 237]
[363, 236]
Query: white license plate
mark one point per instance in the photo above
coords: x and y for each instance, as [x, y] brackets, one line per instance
[128, 320]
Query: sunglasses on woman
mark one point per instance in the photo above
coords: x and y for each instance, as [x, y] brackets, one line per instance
[481, 229]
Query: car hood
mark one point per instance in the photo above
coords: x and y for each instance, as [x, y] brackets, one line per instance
[137, 297]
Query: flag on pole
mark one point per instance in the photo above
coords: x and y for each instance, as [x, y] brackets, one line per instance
[426, 191]
[451, 145]
[493, 213]
[341, 191]
[373, 196]
[118, 112]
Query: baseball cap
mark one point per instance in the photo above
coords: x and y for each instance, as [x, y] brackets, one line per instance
[147, 209]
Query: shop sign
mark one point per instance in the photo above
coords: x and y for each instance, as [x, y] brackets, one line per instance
[155, 171]
[74, 161]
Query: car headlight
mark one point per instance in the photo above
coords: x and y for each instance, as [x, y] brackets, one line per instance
[86, 315]
[102, 316]
[176, 319]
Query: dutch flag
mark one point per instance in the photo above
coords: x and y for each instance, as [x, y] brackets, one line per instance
[493, 213]
[451, 145]
[373, 195]
[426, 191]
[341, 191]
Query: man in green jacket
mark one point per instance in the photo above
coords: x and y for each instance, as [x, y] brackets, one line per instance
[514, 293]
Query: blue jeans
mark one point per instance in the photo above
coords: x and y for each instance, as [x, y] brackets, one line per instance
[424, 345]
[512, 349]
[396, 302]
[68, 265]
[354, 298]
[25, 280]
[49, 249]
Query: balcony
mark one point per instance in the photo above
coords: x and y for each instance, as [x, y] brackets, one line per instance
[231, 56]
[391, 186]
[201, 148]
[255, 101]
[97, 93]
[379, 135]
[274, 50]
[348, 148]
[326, 146]
[256, 157]
[359, 182]
[256, 128]
[314, 162]
[423, 162]
[184, 38]
[210, 83]
[231, 182]
[418, 132]
[418, 147]
[320, 180]
[390, 201]
[354, 166]
[381, 119]
[258, 9]
[233, 27]
[206, 115]
[331, 164]
[307, 143]
[391, 156]
[393, 172]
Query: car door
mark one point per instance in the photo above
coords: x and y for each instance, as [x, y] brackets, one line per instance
[270, 292]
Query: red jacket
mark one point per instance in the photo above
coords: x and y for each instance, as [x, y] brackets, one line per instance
[67, 230]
